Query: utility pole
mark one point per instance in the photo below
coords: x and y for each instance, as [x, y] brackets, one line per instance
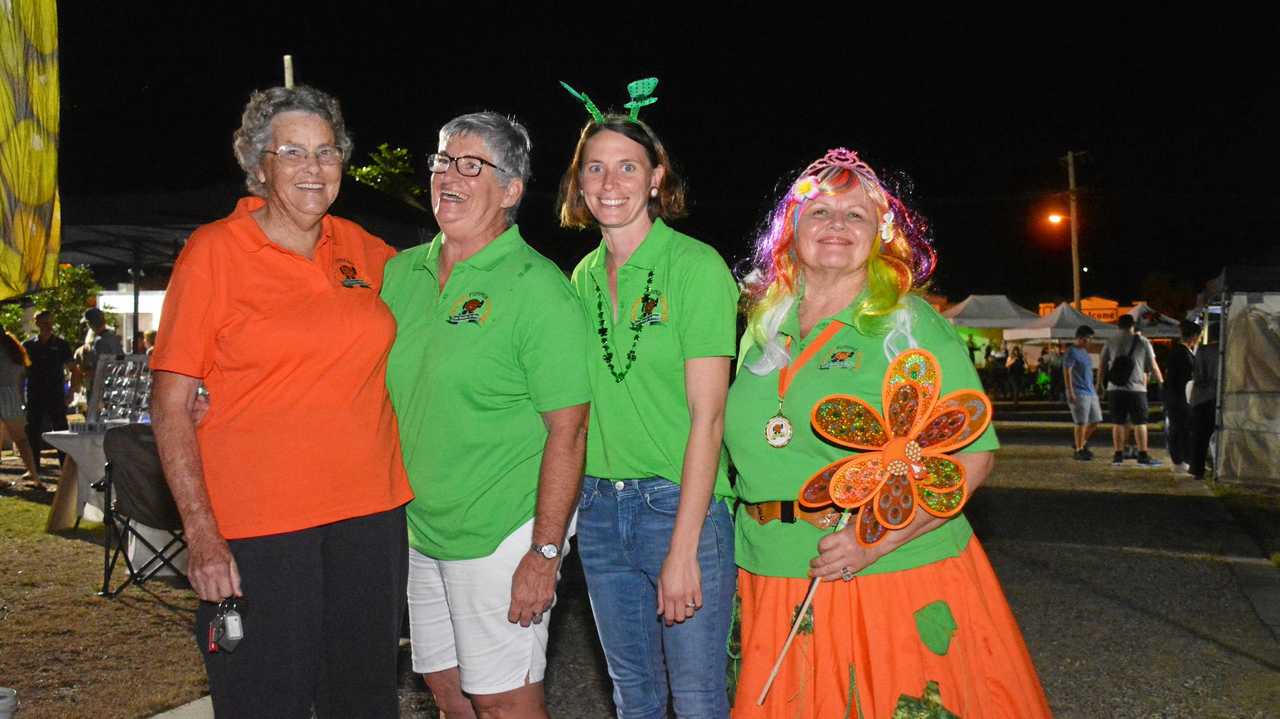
[1075, 228]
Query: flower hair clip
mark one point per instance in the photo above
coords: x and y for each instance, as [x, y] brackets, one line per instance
[806, 188]
[640, 91]
[886, 227]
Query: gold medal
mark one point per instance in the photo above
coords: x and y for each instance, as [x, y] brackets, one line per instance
[777, 431]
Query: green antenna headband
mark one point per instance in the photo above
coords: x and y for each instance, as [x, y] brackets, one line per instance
[641, 92]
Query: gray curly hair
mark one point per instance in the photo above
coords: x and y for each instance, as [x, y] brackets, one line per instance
[251, 140]
[506, 139]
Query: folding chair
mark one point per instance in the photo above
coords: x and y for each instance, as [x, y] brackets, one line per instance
[135, 493]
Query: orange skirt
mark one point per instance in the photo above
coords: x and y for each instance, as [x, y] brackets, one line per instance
[937, 634]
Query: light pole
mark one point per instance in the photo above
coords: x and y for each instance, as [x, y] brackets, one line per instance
[1073, 218]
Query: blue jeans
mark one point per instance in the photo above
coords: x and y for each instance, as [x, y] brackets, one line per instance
[624, 531]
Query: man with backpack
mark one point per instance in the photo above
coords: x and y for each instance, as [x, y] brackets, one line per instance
[1127, 361]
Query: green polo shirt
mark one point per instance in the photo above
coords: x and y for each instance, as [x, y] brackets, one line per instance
[471, 371]
[850, 363]
[640, 426]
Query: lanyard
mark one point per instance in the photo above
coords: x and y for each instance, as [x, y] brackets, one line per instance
[777, 430]
[786, 374]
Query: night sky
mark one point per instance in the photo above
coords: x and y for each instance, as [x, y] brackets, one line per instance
[1177, 118]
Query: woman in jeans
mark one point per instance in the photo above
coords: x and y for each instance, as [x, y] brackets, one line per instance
[654, 530]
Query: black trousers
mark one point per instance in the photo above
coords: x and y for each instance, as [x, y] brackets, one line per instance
[321, 612]
[44, 416]
[1201, 429]
[1178, 428]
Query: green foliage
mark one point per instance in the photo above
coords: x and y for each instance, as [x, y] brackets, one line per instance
[390, 172]
[67, 300]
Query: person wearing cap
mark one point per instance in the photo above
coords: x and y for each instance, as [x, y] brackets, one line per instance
[99, 341]
[1077, 372]
[1128, 400]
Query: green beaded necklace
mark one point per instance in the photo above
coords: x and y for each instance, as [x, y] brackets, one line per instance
[636, 328]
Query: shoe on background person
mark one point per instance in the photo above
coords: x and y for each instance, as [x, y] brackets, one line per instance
[1147, 460]
[1118, 459]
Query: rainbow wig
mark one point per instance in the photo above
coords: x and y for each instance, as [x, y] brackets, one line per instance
[902, 256]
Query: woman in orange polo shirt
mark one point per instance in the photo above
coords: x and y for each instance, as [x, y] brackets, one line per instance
[291, 487]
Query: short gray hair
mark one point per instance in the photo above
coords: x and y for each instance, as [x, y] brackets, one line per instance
[507, 141]
[250, 141]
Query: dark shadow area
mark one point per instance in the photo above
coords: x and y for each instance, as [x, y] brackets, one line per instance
[1105, 519]
[1111, 593]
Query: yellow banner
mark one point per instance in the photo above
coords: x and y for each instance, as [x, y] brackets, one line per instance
[30, 213]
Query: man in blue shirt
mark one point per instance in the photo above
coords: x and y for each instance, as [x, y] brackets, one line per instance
[1086, 412]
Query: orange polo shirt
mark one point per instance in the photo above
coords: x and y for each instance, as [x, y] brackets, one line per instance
[300, 431]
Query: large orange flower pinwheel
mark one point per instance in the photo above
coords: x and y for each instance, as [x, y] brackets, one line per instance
[904, 462]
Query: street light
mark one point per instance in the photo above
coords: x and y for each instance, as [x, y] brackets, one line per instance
[1056, 219]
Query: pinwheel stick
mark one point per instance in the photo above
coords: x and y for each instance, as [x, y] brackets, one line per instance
[795, 626]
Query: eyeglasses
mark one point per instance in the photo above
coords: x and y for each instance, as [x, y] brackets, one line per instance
[467, 165]
[294, 155]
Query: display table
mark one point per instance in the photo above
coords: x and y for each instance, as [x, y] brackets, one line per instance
[85, 464]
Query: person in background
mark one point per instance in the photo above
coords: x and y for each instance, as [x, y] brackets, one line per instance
[1016, 367]
[100, 341]
[149, 341]
[1086, 411]
[52, 362]
[1128, 399]
[1204, 401]
[1177, 407]
[13, 367]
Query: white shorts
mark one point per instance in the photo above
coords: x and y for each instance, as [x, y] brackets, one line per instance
[458, 618]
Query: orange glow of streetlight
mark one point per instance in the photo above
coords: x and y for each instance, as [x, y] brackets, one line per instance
[1056, 219]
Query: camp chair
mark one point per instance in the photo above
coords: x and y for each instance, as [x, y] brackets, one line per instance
[135, 492]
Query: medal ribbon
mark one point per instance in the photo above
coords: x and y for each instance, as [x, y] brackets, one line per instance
[787, 373]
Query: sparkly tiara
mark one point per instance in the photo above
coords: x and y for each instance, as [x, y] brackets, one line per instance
[843, 158]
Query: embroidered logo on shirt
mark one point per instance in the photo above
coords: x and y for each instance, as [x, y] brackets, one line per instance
[649, 311]
[843, 358]
[473, 308]
[350, 275]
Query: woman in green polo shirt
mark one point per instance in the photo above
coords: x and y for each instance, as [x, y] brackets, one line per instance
[917, 616]
[654, 531]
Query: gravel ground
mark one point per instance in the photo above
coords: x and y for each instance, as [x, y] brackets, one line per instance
[1121, 579]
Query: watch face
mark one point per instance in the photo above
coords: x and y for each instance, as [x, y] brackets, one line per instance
[550, 551]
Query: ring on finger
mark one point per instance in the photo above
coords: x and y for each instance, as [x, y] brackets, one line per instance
[846, 573]
[691, 605]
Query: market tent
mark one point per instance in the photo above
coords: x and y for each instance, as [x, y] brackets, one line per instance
[1060, 324]
[1154, 324]
[988, 311]
[1247, 448]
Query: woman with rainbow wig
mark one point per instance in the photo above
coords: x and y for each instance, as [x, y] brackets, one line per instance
[858, 429]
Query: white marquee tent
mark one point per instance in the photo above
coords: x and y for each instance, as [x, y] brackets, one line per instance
[988, 312]
[1060, 324]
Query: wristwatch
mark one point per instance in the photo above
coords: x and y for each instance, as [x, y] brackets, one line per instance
[549, 551]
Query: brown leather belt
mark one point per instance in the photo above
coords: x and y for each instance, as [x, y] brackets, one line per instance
[791, 512]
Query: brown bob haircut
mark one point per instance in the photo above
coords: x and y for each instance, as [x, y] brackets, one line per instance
[670, 202]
